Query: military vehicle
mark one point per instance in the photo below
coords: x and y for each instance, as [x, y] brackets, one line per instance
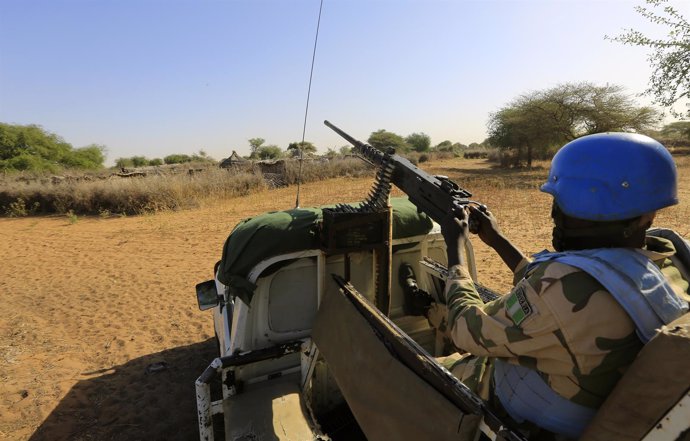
[316, 341]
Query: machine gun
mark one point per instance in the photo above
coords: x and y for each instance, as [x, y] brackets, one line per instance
[434, 195]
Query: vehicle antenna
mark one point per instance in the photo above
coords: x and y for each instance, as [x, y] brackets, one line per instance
[306, 110]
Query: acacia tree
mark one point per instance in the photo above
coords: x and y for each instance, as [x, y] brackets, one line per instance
[443, 146]
[535, 122]
[304, 146]
[31, 147]
[269, 152]
[382, 139]
[254, 146]
[670, 57]
[675, 134]
[419, 142]
[678, 129]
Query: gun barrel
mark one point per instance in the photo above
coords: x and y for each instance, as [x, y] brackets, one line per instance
[365, 151]
[349, 138]
[434, 195]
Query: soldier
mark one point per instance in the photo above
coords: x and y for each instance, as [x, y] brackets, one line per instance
[549, 352]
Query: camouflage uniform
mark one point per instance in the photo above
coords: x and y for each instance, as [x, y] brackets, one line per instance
[557, 319]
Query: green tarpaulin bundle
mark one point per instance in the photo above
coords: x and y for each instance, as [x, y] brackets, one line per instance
[280, 232]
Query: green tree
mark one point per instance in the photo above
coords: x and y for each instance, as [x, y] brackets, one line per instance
[447, 146]
[382, 140]
[254, 146]
[156, 162]
[535, 122]
[678, 129]
[177, 159]
[674, 134]
[200, 158]
[443, 146]
[669, 57]
[294, 148]
[124, 163]
[345, 150]
[269, 152]
[26, 162]
[140, 161]
[419, 142]
[89, 157]
[31, 147]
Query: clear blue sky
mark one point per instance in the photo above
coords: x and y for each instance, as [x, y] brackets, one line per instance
[155, 77]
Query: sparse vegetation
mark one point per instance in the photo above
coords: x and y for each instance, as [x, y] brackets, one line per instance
[18, 208]
[132, 196]
[71, 217]
[137, 161]
[158, 192]
[180, 184]
[319, 170]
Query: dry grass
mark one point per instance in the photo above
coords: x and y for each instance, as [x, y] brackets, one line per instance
[317, 171]
[129, 196]
[156, 192]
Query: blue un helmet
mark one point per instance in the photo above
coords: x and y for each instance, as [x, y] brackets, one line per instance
[612, 176]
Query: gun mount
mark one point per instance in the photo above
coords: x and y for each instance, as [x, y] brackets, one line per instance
[434, 195]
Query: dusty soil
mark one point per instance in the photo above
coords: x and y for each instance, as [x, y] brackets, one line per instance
[87, 306]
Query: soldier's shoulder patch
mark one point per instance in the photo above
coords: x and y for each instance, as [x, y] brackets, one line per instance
[517, 306]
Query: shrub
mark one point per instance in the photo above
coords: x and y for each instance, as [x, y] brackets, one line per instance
[316, 170]
[128, 195]
[269, 152]
[71, 217]
[139, 161]
[118, 196]
[177, 159]
[444, 155]
[18, 208]
[29, 163]
[124, 162]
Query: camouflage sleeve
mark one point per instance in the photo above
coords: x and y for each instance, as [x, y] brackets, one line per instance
[558, 320]
[520, 270]
[512, 326]
[458, 281]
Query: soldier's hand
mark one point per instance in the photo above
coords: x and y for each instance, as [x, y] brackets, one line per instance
[485, 225]
[454, 228]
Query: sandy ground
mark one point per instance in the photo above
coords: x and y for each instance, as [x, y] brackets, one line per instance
[87, 306]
